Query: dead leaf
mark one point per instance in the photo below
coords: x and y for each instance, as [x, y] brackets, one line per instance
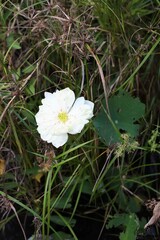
[156, 215]
[2, 166]
[46, 165]
[38, 176]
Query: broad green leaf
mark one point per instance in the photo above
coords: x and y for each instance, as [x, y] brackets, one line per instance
[62, 221]
[62, 236]
[129, 222]
[131, 228]
[134, 205]
[124, 111]
[62, 203]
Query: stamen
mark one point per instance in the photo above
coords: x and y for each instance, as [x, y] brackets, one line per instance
[63, 117]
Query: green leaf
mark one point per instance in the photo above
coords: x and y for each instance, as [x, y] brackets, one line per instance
[62, 221]
[124, 112]
[30, 89]
[134, 205]
[62, 203]
[87, 187]
[129, 222]
[30, 68]
[12, 43]
[131, 228]
[27, 114]
[62, 236]
[9, 185]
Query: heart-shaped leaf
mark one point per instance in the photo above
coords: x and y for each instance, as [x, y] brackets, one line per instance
[124, 111]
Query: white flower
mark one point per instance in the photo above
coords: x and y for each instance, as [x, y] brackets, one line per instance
[61, 114]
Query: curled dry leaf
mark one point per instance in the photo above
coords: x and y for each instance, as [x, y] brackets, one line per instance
[156, 216]
[44, 164]
[2, 166]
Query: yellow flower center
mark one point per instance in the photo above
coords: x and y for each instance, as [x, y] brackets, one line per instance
[63, 117]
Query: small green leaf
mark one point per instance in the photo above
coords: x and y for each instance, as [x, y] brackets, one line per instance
[87, 188]
[30, 89]
[26, 113]
[16, 45]
[10, 185]
[124, 112]
[29, 69]
[13, 43]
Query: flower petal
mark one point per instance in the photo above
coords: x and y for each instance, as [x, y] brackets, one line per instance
[77, 125]
[66, 98]
[60, 140]
[79, 115]
[59, 100]
[56, 140]
[82, 108]
[50, 101]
